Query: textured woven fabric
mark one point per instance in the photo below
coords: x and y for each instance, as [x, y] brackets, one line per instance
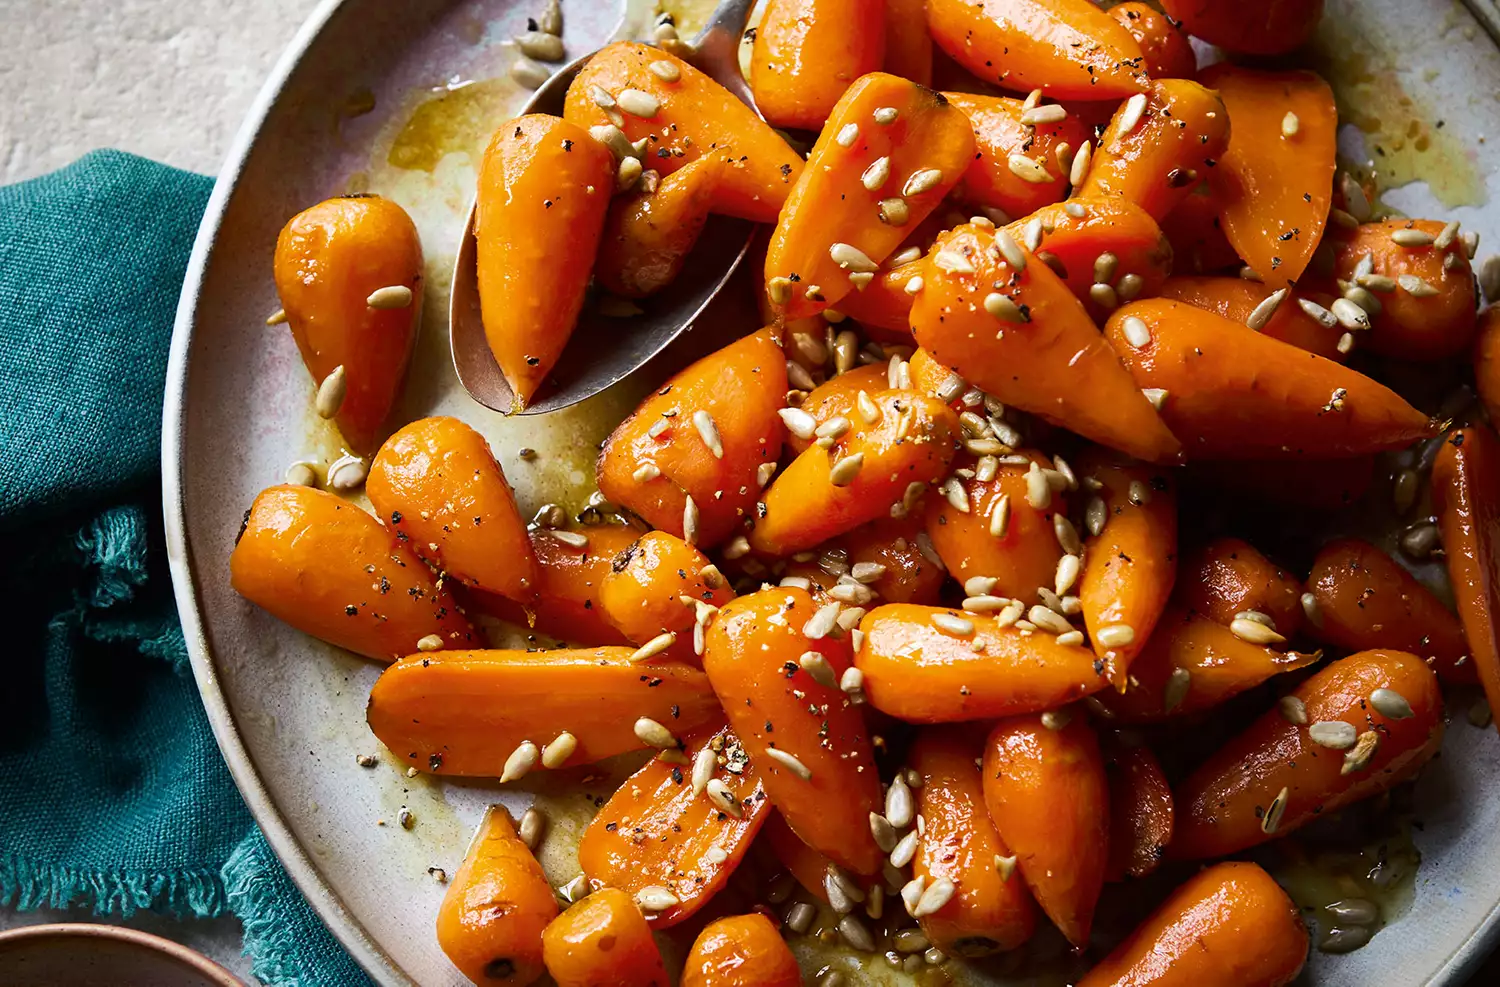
[113, 795]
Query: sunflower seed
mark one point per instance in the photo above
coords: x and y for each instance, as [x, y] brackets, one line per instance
[533, 825]
[1290, 125]
[1271, 821]
[798, 422]
[528, 74]
[665, 71]
[1176, 689]
[656, 898]
[877, 174]
[821, 623]
[1051, 113]
[1412, 238]
[1416, 287]
[1334, 734]
[1048, 620]
[847, 135]
[905, 849]
[1115, 636]
[722, 798]
[690, 521]
[645, 473]
[653, 734]
[1324, 318]
[1254, 631]
[1010, 250]
[856, 935]
[391, 296]
[1354, 911]
[638, 103]
[883, 832]
[886, 115]
[541, 46]
[922, 181]
[911, 893]
[799, 918]
[629, 173]
[1067, 535]
[1038, 490]
[1068, 568]
[1095, 515]
[1391, 704]
[899, 806]
[953, 624]
[708, 432]
[1262, 312]
[276, 318]
[521, 760]
[790, 762]
[1080, 169]
[851, 258]
[1028, 169]
[613, 138]
[556, 754]
[936, 895]
[347, 473]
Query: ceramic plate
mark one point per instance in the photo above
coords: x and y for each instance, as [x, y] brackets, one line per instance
[398, 98]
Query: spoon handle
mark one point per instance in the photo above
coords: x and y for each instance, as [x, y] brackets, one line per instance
[717, 47]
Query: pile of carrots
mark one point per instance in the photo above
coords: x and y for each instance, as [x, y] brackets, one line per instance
[934, 500]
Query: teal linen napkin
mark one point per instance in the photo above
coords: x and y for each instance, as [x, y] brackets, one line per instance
[113, 795]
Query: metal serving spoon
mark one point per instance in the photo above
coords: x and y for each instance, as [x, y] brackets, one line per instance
[603, 350]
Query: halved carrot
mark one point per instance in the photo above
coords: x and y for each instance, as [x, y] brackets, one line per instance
[569, 580]
[1069, 49]
[1465, 497]
[1274, 777]
[808, 866]
[1275, 27]
[659, 830]
[1233, 393]
[330, 259]
[647, 236]
[695, 117]
[1237, 298]
[661, 457]
[807, 52]
[866, 184]
[1168, 53]
[920, 666]
[1229, 925]
[472, 712]
[740, 951]
[493, 914]
[603, 941]
[1000, 136]
[1198, 241]
[1364, 599]
[1049, 799]
[1153, 154]
[1229, 576]
[1140, 809]
[1030, 343]
[806, 739]
[654, 584]
[438, 486]
[1486, 360]
[836, 397]
[909, 576]
[908, 49]
[1274, 184]
[329, 569]
[991, 910]
[826, 492]
[544, 187]
[1129, 567]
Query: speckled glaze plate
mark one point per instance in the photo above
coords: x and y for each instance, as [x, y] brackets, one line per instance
[398, 98]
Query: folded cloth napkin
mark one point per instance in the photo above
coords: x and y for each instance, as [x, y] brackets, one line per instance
[113, 795]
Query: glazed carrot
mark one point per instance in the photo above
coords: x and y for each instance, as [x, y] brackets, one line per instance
[1236, 298]
[836, 397]
[660, 831]
[1274, 188]
[1038, 350]
[603, 941]
[1465, 492]
[643, 595]
[1192, 663]
[647, 236]
[935, 380]
[491, 920]
[1199, 245]
[437, 485]
[826, 492]
[330, 259]
[741, 951]
[882, 309]
[1229, 576]
[1069, 49]
[1364, 600]
[1000, 136]
[1140, 810]
[1229, 925]
[1129, 567]
[1049, 799]
[807, 52]
[484, 713]
[1168, 53]
[908, 49]
[1154, 154]
[806, 865]
[925, 665]
[326, 567]
[1315, 484]
[694, 117]
[908, 576]
[866, 185]
[536, 229]
[1425, 293]
[656, 460]
[1275, 27]
[1487, 360]
[569, 579]
[1004, 535]
[1233, 393]
[991, 911]
[802, 733]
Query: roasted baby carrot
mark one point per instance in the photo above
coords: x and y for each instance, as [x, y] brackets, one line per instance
[1199, 245]
[536, 230]
[908, 49]
[836, 397]
[660, 831]
[1465, 495]
[438, 486]
[740, 951]
[348, 272]
[1229, 577]
[603, 941]
[493, 914]
[1159, 145]
[330, 570]
[685, 115]
[648, 235]
[1229, 925]
[882, 308]
[501, 713]
[1274, 27]
[694, 448]
[1168, 53]
[655, 584]
[775, 665]
[807, 52]
[1140, 809]
[866, 185]
[1362, 599]
[1022, 154]
[1048, 796]
[935, 665]
[1238, 299]
[1487, 360]
[806, 865]
[1274, 184]
[906, 575]
[1356, 728]
[1233, 393]
[570, 576]
[991, 910]
[1130, 562]
[1069, 49]
[1030, 343]
[826, 492]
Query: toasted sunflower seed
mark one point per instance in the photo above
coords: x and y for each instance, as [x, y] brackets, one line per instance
[1067, 535]
[653, 734]
[276, 318]
[953, 624]
[1355, 200]
[1136, 332]
[1028, 169]
[1130, 114]
[1391, 704]
[1350, 315]
[556, 754]
[1262, 313]
[347, 473]
[1333, 734]
[1003, 307]
[936, 895]
[541, 46]
[1271, 821]
[665, 71]
[1095, 516]
[1010, 250]
[331, 393]
[851, 258]
[922, 181]
[1416, 287]
[1068, 569]
[843, 472]
[723, 799]
[1115, 636]
[821, 623]
[656, 898]
[1290, 124]
[638, 103]
[690, 521]
[1293, 710]
[883, 832]
[855, 934]
[1412, 238]
[899, 806]
[521, 760]
[1254, 631]
[1362, 753]
[1038, 490]
[391, 296]
[790, 762]
[1081, 160]
[1325, 318]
